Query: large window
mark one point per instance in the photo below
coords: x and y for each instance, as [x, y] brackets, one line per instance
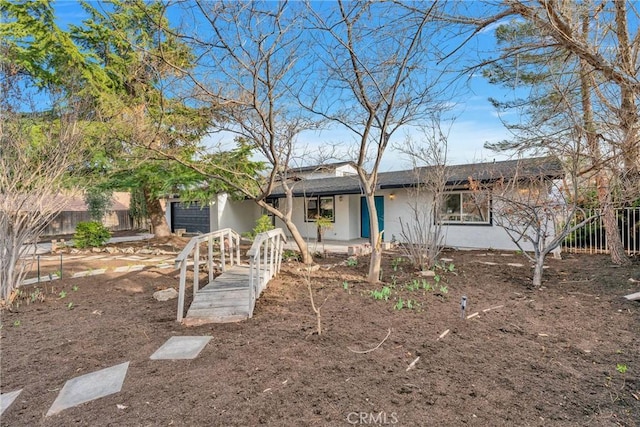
[464, 208]
[319, 207]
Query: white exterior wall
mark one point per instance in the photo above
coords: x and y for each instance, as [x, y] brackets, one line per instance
[455, 236]
[345, 227]
[240, 215]
[395, 206]
[345, 170]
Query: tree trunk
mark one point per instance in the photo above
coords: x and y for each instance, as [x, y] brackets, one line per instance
[376, 241]
[156, 215]
[612, 235]
[307, 259]
[538, 268]
[300, 242]
[616, 247]
[602, 180]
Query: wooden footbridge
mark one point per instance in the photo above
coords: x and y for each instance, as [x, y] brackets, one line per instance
[232, 295]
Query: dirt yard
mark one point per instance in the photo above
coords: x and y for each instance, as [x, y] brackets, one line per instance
[564, 355]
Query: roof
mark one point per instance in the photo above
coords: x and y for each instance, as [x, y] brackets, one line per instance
[315, 168]
[457, 175]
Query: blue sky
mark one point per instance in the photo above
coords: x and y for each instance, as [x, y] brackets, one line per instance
[476, 121]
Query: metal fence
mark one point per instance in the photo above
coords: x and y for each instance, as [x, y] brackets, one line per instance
[65, 222]
[591, 238]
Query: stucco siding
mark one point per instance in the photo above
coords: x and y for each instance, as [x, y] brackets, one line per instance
[240, 215]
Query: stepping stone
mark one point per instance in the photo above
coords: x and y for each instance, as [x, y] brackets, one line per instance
[98, 271]
[515, 264]
[90, 387]
[163, 266]
[42, 279]
[81, 274]
[6, 399]
[181, 348]
[121, 269]
[94, 257]
[133, 258]
[446, 259]
[137, 267]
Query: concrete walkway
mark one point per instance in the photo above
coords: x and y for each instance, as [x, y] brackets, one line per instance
[332, 246]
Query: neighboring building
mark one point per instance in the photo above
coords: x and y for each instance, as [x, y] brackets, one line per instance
[335, 192]
[117, 217]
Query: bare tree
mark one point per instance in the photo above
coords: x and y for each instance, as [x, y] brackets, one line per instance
[372, 68]
[600, 42]
[249, 70]
[37, 150]
[422, 237]
[537, 212]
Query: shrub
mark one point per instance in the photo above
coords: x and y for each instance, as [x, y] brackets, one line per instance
[90, 234]
[262, 224]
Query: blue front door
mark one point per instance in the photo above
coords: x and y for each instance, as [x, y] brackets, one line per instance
[364, 215]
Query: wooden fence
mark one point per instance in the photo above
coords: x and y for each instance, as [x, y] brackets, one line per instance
[66, 221]
[591, 238]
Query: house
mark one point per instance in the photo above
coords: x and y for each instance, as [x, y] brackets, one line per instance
[335, 193]
[223, 211]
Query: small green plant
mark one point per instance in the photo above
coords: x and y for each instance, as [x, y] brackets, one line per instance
[323, 223]
[75, 288]
[62, 294]
[90, 234]
[382, 294]
[290, 255]
[16, 323]
[437, 278]
[70, 306]
[426, 285]
[444, 289]
[451, 267]
[408, 303]
[395, 263]
[415, 284]
[36, 295]
[622, 368]
[262, 224]
[345, 286]
[352, 262]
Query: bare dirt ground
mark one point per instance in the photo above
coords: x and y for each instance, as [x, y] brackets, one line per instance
[553, 356]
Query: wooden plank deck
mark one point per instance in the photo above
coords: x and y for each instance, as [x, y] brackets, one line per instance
[226, 299]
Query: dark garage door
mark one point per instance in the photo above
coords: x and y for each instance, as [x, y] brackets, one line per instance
[193, 217]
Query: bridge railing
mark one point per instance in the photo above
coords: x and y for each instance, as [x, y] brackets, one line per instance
[265, 258]
[228, 245]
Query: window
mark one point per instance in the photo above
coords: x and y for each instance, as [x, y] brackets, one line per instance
[316, 207]
[464, 208]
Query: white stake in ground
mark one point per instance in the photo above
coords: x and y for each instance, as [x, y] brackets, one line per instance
[463, 306]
